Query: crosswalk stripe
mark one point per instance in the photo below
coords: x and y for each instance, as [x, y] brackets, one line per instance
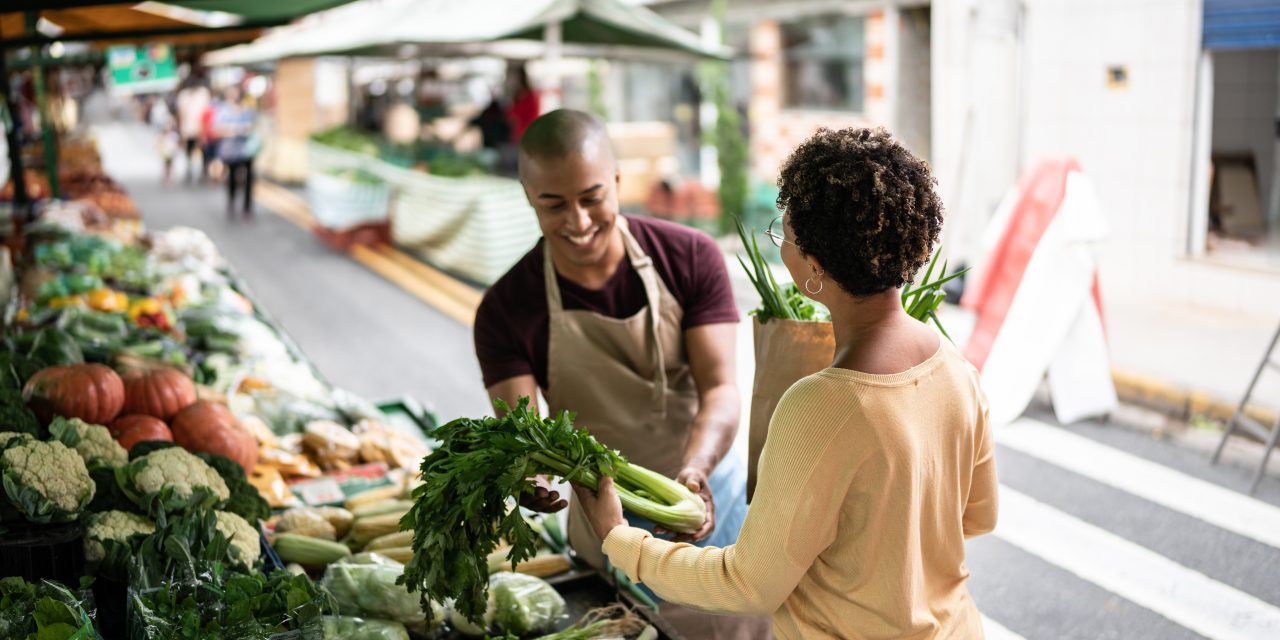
[1146, 578]
[1172, 489]
[995, 631]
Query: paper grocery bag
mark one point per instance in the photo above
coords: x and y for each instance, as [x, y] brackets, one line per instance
[786, 351]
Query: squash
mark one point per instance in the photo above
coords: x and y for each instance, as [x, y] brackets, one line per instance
[211, 428]
[130, 430]
[91, 392]
[160, 392]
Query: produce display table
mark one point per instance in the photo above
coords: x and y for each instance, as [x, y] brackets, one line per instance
[274, 509]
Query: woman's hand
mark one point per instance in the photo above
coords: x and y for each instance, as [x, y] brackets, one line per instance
[603, 508]
[696, 480]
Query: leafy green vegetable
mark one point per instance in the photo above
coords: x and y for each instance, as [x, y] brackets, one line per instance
[108, 496]
[56, 347]
[921, 301]
[461, 510]
[347, 139]
[16, 369]
[185, 587]
[366, 585]
[44, 611]
[775, 302]
[228, 605]
[523, 604]
[349, 628]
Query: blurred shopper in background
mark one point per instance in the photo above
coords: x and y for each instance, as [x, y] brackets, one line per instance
[192, 102]
[233, 124]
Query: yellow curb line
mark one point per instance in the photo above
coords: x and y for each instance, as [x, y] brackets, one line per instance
[442, 292]
[1148, 391]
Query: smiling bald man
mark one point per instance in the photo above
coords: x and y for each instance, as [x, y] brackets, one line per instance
[631, 324]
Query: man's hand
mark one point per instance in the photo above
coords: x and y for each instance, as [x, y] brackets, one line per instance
[543, 499]
[695, 478]
[603, 508]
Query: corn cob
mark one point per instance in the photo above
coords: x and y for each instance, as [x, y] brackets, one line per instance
[397, 539]
[363, 530]
[383, 507]
[305, 550]
[373, 495]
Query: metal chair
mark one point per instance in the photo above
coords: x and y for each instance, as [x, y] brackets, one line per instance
[1250, 426]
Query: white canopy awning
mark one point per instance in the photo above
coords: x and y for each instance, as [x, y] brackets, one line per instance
[424, 27]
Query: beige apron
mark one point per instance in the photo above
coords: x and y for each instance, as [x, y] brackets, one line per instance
[630, 384]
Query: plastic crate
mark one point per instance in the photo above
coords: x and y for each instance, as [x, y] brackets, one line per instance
[35, 552]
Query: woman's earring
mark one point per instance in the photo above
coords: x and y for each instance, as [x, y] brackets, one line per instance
[809, 288]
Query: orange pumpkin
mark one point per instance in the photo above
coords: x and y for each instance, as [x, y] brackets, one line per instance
[211, 428]
[130, 430]
[91, 392]
[159, 392]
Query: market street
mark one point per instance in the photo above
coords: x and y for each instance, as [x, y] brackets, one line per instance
[1105, 531]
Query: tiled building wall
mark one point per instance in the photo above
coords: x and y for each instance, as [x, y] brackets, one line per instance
[1135, 141]
[776, 129]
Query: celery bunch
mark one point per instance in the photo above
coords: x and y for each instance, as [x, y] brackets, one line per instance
[461, 511]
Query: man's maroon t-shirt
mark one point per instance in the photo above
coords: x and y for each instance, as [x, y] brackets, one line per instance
[511, 329]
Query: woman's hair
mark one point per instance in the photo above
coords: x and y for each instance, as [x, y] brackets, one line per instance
[863, 206]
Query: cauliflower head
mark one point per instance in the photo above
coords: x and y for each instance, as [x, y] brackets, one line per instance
[176, 467]
[92, 441]
[45, 481]
[113, 526]
[244, 538]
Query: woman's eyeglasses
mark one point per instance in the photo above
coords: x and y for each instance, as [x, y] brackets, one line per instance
[775, 233]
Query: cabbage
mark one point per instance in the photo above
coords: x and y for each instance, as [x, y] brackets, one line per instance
[348, 628]
[518, 604]
[365, 585]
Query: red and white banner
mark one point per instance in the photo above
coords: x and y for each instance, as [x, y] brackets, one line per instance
[1037, 299]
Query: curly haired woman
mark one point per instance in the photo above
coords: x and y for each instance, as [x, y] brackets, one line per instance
[877, 468]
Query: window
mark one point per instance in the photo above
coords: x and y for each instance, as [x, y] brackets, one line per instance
[823, 57]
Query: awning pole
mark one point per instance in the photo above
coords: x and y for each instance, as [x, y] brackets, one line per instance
[554, 38]
[42, 103]
[21, 200]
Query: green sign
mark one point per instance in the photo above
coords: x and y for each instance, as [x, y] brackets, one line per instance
[142, 69]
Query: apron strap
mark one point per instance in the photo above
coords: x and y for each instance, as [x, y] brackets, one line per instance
[643, 264]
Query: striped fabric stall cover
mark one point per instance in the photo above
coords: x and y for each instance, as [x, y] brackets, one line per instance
[476, 227]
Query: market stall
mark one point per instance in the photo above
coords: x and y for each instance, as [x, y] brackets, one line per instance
[191, 455]
[175, 467]
[449, 208]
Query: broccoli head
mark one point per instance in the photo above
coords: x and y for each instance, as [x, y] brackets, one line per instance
[15, 415]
